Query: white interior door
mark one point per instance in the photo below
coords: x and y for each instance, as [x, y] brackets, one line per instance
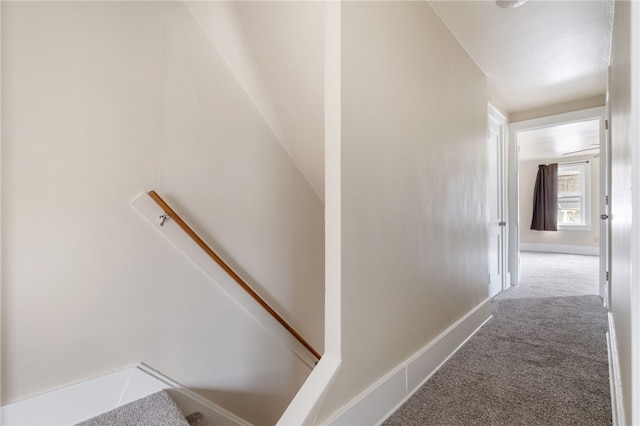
[496, 187]
[605, 190]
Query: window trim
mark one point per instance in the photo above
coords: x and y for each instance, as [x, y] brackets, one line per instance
[584, 167]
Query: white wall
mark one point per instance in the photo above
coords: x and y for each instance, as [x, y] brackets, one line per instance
[1, 221]
[275, 49]
[583, 239]
[414, 171]
[104, 100]
[624, 148]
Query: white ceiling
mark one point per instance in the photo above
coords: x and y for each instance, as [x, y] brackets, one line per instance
[560, 141]
[540, 54]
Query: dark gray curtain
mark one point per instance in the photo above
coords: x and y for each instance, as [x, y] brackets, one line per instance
[545, 199]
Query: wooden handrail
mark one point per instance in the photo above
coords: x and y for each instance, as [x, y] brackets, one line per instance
[173, 215]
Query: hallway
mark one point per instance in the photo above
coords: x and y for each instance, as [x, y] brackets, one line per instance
[541, 359]
[555, 275]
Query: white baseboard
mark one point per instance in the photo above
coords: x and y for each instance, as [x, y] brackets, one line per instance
[617, 409]
[384, 397]
[82, 401]
[560, 248]
[71, 404]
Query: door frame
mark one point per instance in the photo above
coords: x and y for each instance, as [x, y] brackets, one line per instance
[605, 204]
[499, 119]
[513, 190]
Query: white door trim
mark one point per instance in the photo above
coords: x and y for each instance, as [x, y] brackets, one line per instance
[497, 119]
[605, 205]
[513, 191]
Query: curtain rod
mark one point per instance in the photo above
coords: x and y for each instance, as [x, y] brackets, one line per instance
[575, 162]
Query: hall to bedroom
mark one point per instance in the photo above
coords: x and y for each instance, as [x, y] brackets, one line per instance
[541, 359]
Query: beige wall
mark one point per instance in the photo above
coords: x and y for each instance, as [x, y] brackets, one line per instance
[275, 49]
[414, 172]
[623, 144]
[102, 101]
[527, 179]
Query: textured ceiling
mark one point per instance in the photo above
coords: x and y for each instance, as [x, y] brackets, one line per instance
[542, 53]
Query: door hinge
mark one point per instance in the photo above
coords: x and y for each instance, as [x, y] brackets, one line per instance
[607, 276]
[606, 199]
[606, 124]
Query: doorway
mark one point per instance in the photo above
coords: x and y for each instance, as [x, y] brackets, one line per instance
[577, 142]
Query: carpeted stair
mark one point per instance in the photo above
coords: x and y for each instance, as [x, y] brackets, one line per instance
[197, 419]
[157, 409]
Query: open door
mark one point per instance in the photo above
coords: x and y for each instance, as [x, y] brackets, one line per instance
[497, 212]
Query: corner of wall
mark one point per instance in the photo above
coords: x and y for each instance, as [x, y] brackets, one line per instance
[496, 104]
[305, 406]
[388, 393]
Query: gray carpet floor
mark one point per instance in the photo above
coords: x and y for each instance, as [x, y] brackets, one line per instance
[555, 275]
[157, 409]
[541, 359]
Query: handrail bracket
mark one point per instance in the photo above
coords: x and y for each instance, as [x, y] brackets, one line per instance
[163, 217]
[169, 213]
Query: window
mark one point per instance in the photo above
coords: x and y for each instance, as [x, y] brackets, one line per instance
[574, 196]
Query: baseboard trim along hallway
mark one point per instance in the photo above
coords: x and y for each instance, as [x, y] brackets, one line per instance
[382, 398]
